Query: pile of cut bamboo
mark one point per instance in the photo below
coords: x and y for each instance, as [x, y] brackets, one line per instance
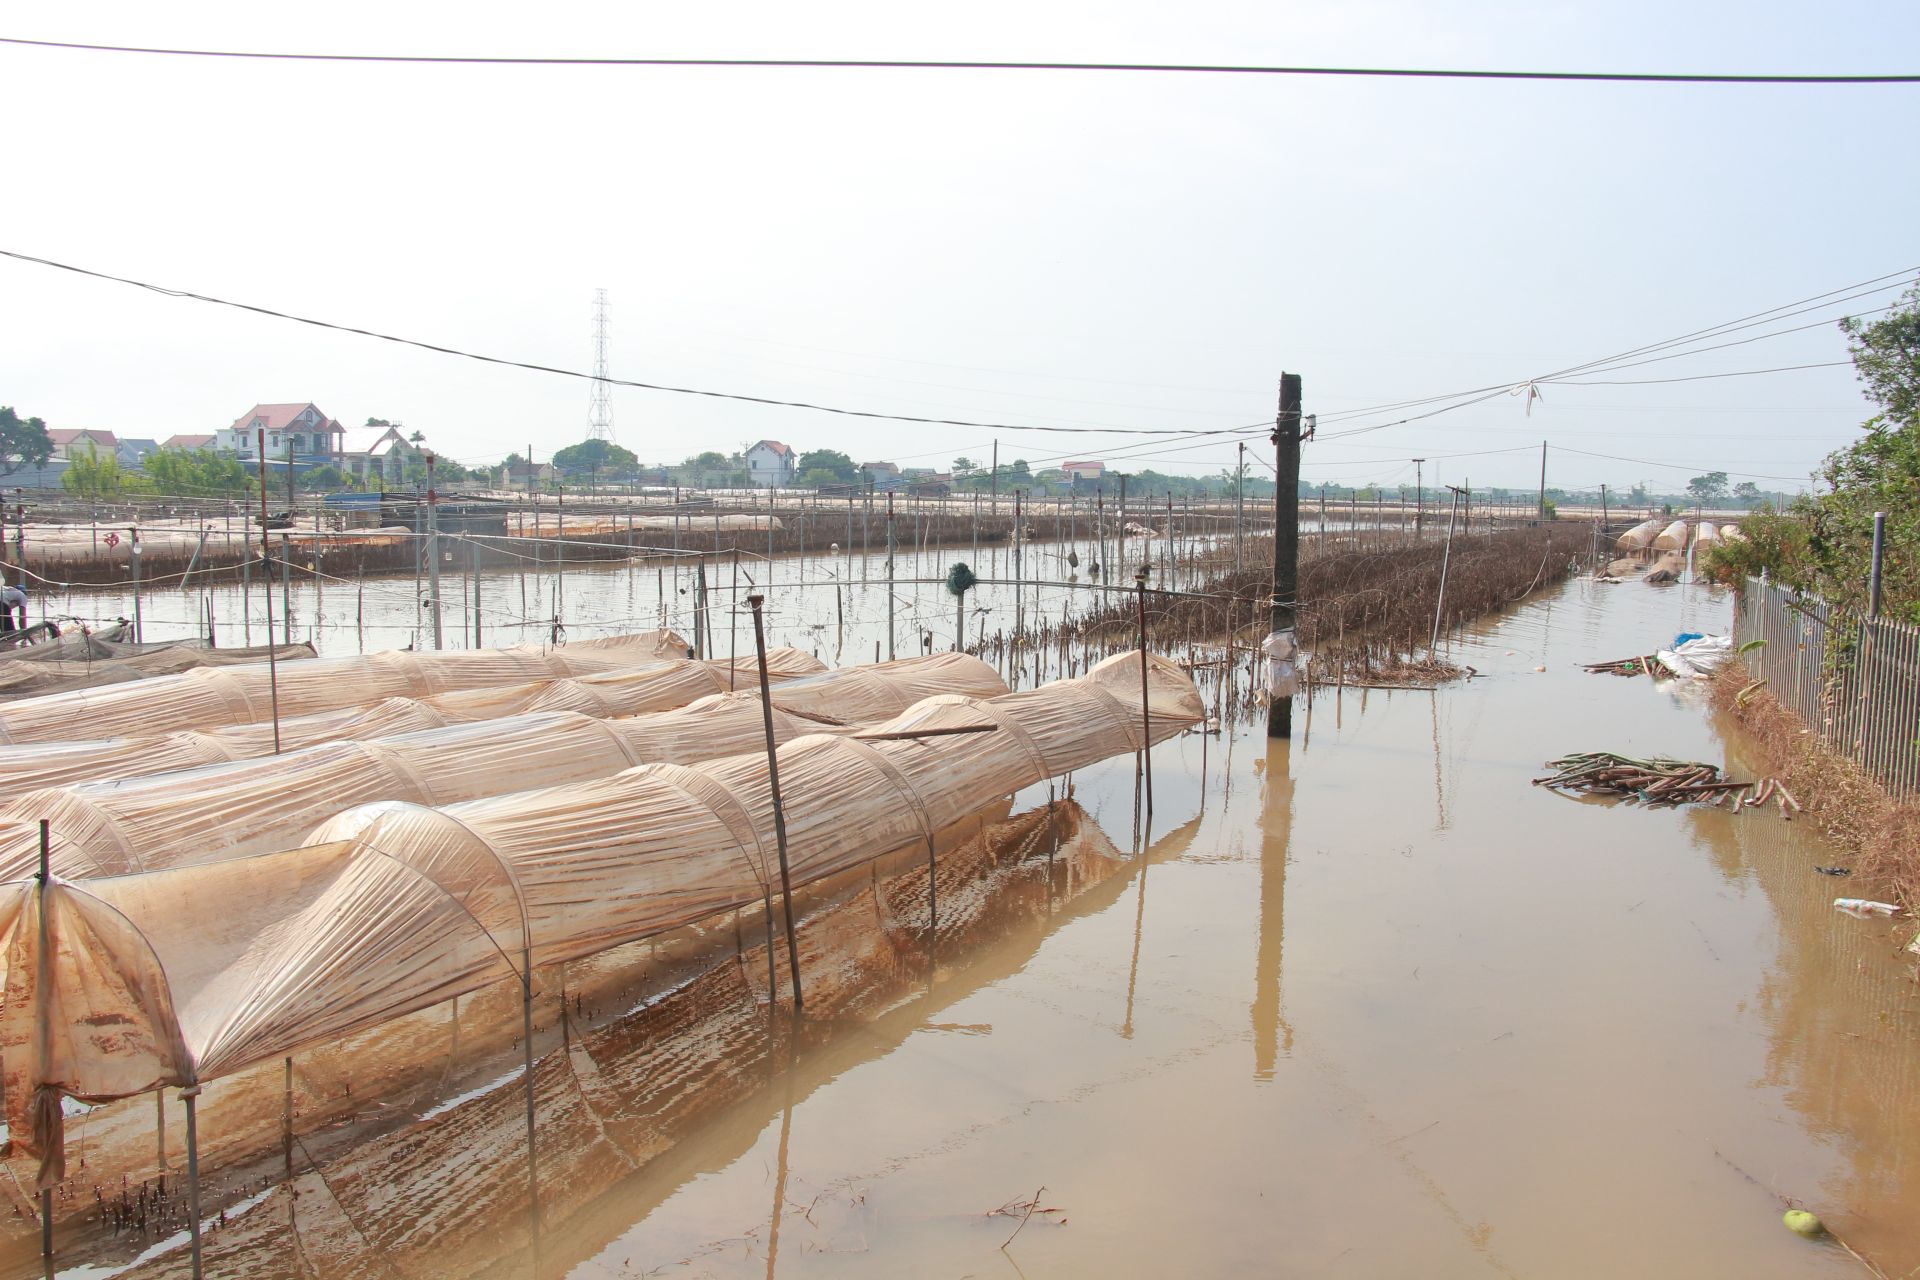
[1663, 781]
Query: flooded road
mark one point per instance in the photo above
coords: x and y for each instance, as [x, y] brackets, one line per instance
[1374, 1006]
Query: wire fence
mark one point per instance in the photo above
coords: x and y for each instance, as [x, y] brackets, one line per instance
[1854, 681]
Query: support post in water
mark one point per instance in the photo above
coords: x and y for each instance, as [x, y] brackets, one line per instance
[773, 785]
[1281, 615]
[1146, 713]
[266, 566]
[133, 559]
[433, 551]
[890, 600]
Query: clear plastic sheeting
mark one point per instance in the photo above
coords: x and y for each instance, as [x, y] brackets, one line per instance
[36, 670]
[205, 698]
[649, 686]
[179, 976]
[250, 806]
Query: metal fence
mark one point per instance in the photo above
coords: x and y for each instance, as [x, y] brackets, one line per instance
[1855, 681]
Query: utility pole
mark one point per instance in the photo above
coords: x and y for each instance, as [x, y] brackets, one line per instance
[993, 480]
[1542, 508]
[1419, 496]
[1240, 506]
[1603, 522]
[1281, 616]
[1879, 555]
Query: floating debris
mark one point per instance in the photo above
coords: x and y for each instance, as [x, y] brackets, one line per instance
[1865, 907]
[1662, 781]
[1623, 667]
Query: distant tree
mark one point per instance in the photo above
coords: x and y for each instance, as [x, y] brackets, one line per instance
[820, 478]
[1708, 488]
[839, 467]
[328, 478]
[964, 466]
[417, 437]
[594, 455]
[1020, 471]
[378, 422]
[711, 460]
[97, 475]
[1747, 492]
[1823, 542]
[197, 473]
[24, 442]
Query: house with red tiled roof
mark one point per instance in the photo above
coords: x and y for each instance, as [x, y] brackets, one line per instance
[70, 443]
[188, 441]
[771, 464]
[311, 434]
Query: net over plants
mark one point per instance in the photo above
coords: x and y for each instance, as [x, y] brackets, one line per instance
[649, 685]
[179, 976]
[206, 697]
[272, 802]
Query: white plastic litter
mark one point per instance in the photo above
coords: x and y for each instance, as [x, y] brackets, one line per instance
[1281, 648]
[1697, 659]
[1865, 907]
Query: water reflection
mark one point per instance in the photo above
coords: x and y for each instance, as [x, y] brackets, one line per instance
[1272, 1034]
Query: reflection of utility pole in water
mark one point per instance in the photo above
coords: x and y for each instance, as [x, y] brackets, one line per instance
[1439, 791]
[1272, 1036]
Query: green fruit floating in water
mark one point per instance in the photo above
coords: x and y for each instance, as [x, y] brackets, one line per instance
[1803, 1223]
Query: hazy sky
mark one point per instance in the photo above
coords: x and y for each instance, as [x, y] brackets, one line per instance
[1049, 249]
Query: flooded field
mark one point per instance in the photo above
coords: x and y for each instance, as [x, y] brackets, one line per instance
[1373, 1006]
[1370, 1004]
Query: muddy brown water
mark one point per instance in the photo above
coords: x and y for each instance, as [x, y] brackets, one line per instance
[1372, 1005]
[1388, 1010]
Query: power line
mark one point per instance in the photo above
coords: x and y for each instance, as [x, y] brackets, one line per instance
[1674, 466]
[618, 382]
[1702, 377]
[896, 64]
[1862, 288]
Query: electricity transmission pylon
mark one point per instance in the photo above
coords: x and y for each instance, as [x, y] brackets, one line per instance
[600, 407]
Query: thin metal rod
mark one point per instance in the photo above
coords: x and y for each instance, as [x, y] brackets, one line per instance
[1146, 715]
[533, 1167]
[189, 1096]
[773, 782]
[266, 566]
[1446, 555]
[43, 981]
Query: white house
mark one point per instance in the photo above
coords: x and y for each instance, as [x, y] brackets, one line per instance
[314, 436]
[377, 455]
[771, 464]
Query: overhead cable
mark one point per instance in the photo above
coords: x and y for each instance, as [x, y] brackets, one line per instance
[618, 382]
[913, 64]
